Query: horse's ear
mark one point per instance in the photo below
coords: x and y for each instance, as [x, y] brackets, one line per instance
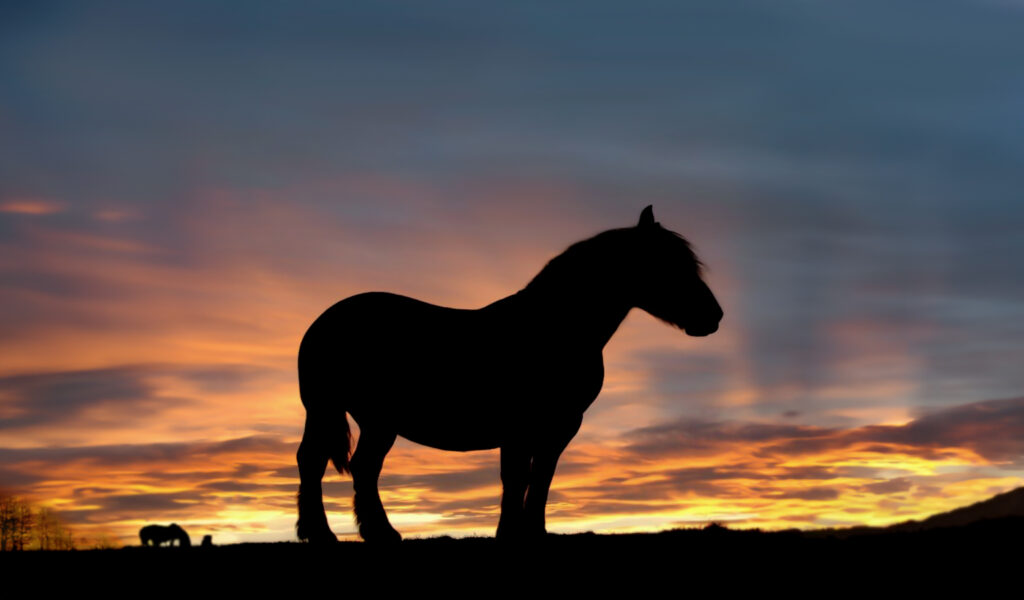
[647, 217]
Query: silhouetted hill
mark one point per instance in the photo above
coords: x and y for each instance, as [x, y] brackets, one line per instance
[1007, 507]
[1008, 504]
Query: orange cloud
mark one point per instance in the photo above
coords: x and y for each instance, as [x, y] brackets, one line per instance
[30, 206]
[243, 488]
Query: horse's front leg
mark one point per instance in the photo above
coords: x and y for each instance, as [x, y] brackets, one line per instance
[542, 470]
[515, 473]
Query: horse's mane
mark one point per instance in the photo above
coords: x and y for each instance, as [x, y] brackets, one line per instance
[592, 257]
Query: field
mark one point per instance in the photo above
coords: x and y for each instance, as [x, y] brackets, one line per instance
[978, 554]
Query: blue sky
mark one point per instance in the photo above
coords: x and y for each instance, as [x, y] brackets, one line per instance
[184, 186]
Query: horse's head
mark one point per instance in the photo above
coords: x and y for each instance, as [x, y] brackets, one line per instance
[179, 533]
[668, 279]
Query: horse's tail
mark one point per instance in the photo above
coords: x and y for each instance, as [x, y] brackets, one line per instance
[328, 436]
[327, 433]
[340, 442]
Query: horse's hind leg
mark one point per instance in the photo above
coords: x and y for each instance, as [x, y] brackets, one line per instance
[312, 457]
[366, 463]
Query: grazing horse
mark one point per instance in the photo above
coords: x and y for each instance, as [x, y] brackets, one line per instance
[158, 535]
[516, 374]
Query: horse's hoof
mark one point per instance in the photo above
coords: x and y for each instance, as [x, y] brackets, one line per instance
[534, 535]
[508, 535]
[382, 536]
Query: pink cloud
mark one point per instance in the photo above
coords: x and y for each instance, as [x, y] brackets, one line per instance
[31, 206]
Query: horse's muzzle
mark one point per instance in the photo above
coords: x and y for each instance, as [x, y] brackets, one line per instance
[704, 329]
[701, 331]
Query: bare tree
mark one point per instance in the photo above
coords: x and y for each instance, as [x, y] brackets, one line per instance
[7, 504]
[23, 520]
[104, 542]
[64, 540]
[22, 527]
[48, 528]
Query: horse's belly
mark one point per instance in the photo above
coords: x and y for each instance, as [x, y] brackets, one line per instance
[452, 425]
[462, 441]
[471, 402]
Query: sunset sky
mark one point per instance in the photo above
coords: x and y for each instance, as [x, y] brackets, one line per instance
[184, 189]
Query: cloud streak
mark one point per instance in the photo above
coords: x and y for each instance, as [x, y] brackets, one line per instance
[992, 430]
[679, 472]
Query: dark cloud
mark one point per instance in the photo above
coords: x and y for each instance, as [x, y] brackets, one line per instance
[18, 479]
[451, 482]
[114, 507]
[889, 486]
[822, 473]
[685, 479]
[704, 482]
[688, 436]
[141, 454]
[232, 486]
[993, 428]
[49, 398]
[121, 394]
[93, 491]
[246, 470]
[813, 494]
[292, 472]
[731, 481]
[162, 503]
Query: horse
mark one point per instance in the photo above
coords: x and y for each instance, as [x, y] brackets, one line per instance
[516, 374]
[157, 535]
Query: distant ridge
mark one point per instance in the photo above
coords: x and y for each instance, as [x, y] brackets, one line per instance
[1007, 504]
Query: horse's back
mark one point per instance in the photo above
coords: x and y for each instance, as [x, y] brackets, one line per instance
[421, 367]
[384, 339]
[155, 533]
[370, 321]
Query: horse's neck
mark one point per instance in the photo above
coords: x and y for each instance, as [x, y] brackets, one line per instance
[569, 318]
[598, 326]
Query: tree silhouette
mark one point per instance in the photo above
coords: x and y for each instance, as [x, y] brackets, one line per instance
[23, 527]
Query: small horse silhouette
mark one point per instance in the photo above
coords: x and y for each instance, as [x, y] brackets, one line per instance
[157, 535]
[516, 374]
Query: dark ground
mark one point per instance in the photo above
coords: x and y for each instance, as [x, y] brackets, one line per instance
[692, 560]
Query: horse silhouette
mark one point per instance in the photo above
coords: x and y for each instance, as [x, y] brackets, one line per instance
[516, 374]
[157, 535]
